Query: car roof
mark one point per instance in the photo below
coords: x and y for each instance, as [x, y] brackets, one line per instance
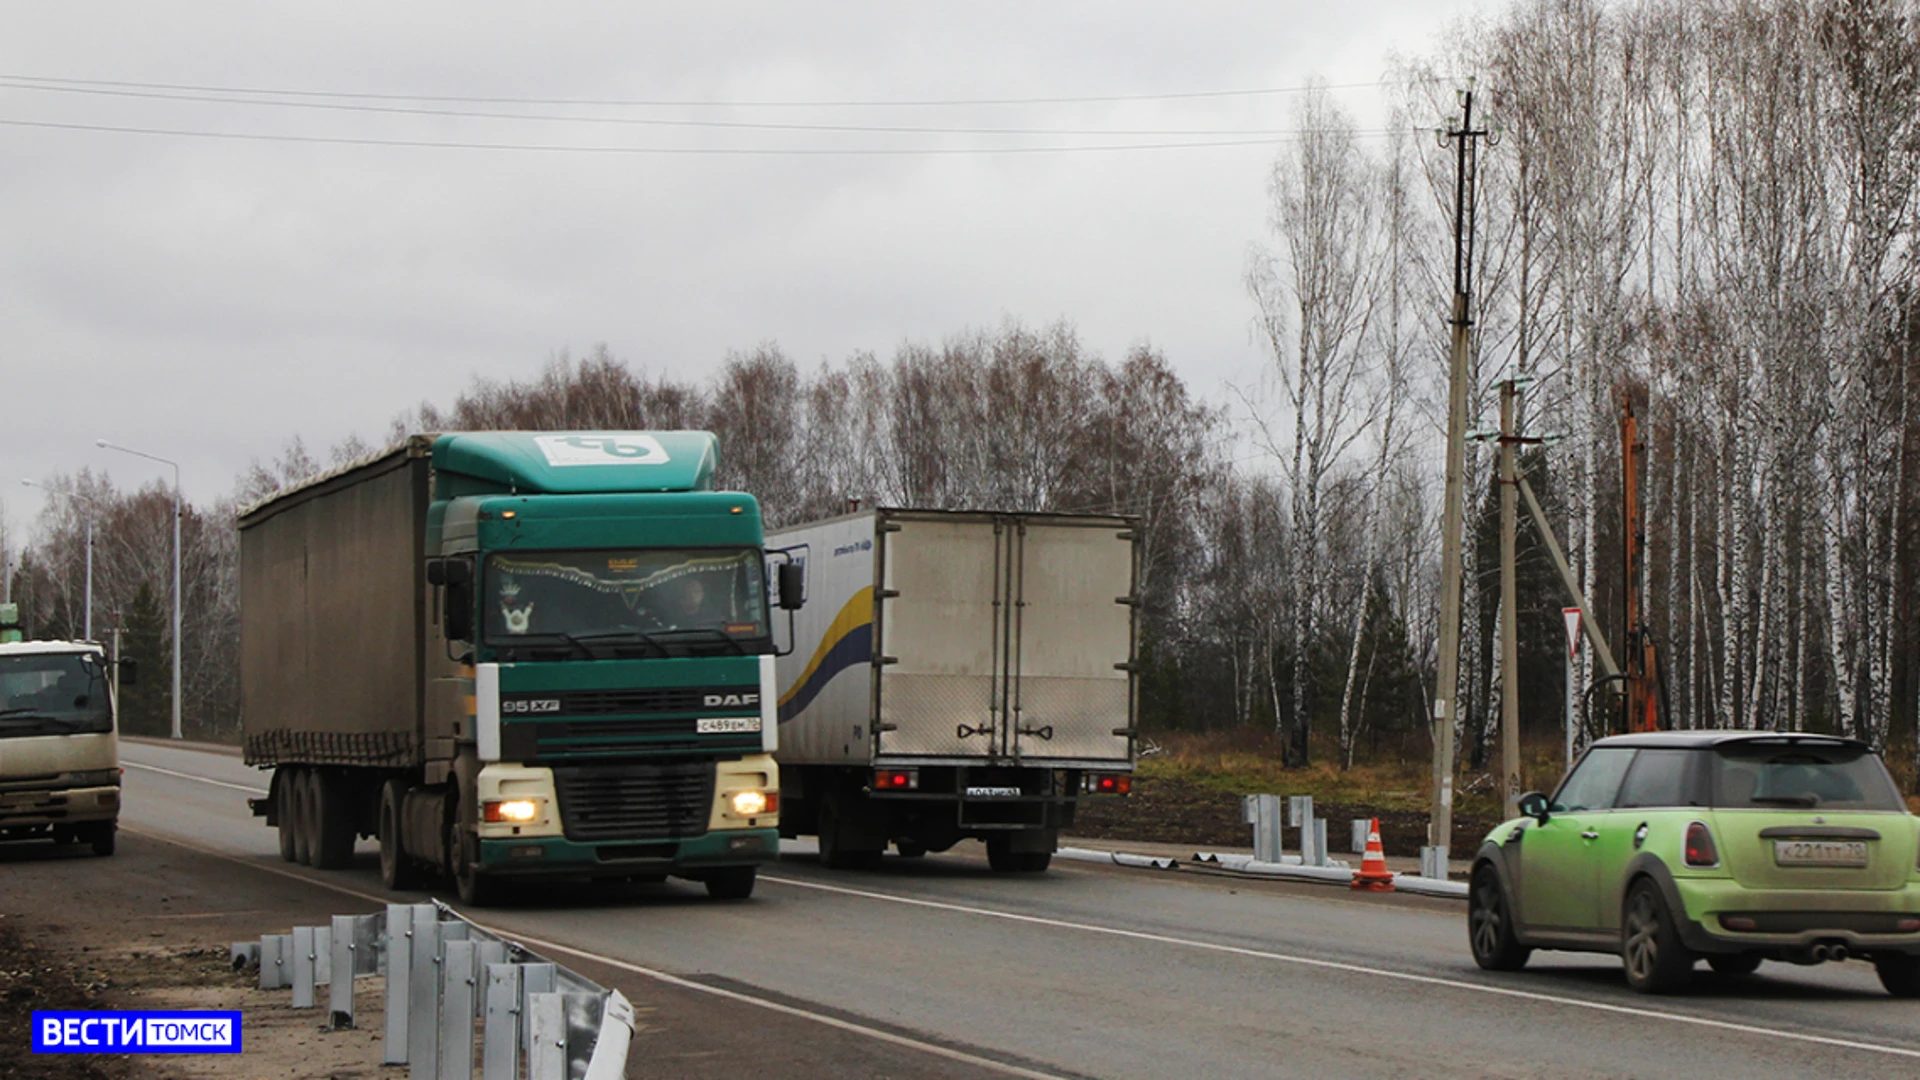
[1704, 740]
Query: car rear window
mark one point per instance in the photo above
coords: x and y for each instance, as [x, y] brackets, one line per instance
[1767, 775]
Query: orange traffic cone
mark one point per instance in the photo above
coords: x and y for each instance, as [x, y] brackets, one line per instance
[1373, 874]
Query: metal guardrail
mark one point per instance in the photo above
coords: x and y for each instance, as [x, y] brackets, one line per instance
[449, 981]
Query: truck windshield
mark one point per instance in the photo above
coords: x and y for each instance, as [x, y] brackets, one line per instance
[1763, 774]
[685, 600]
[53, 694]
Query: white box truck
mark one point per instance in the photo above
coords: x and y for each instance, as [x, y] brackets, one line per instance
[955, 674]
[59, 747]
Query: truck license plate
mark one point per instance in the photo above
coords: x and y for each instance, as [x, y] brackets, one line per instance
[993, 792]
[726, 725]
[1820, 852]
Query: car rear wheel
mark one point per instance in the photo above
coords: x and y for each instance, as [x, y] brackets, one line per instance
[1734, 963]
[1490, 924]
[1900, 974]
[1657, 962]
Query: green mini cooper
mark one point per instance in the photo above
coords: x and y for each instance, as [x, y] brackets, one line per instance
[1735, 847]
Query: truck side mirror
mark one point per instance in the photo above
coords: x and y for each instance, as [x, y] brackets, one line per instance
[129, 671]
[791, 578]
[457, 571]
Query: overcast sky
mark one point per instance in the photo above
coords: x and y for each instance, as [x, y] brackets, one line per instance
[206, 298]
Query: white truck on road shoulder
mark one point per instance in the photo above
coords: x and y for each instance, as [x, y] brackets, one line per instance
[59, 753]
[955, 675]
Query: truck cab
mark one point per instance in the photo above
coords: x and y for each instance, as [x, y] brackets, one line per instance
[59, 752]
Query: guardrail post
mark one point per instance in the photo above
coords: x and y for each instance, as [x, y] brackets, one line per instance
[487, 952]
[423, 994]
[399, 950]
[273, 965]
[1320, 855]
[303, 967]
[1361, 827]
[546, 1036]
[500, 1035]
[243, 953]
[456, 1009]
[534, 979]
[341, 968]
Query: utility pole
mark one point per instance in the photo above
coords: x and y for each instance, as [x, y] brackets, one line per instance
[1509, 610]
[1643, 666]
[1446, 704]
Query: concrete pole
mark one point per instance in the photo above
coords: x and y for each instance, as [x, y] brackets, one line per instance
[176, 602]
[1509, 612]
[1446, 706]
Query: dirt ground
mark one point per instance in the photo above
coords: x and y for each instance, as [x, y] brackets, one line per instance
[62, 949]
[1175, 811]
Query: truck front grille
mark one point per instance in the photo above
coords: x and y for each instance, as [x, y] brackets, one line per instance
[634, 802]
[605, 702]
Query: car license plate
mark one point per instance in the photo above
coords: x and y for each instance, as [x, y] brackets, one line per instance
[1820, 852]
[725, 725]
[993, 792]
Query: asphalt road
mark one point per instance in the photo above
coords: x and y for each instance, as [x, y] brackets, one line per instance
[1106, 972]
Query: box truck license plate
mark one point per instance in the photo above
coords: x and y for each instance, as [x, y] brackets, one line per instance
[726, 725]
[1820, 852]
[992, 792]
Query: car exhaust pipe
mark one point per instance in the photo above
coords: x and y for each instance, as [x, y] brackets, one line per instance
[1837, 953]
[1821, 954]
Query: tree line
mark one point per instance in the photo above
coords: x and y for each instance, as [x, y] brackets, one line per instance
[1701, 209]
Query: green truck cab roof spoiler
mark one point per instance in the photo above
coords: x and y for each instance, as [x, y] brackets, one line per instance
[573, 462]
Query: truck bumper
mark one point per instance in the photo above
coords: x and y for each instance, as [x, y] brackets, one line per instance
[31, 812]
[559, 857]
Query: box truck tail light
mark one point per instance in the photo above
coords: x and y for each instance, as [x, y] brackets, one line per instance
[512, 811]
[1109, 783]
[896, 779]
[1700, 849]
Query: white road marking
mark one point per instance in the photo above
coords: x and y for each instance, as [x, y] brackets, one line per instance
[910, 1043]
[1356, 969]
[1091, 928]
[190, 776]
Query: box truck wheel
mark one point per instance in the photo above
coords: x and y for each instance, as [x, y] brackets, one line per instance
[309, 817]
[839, 834]
[332, 820]
[398, 871]
[733, 883]
[1005, 860]
[285, 812]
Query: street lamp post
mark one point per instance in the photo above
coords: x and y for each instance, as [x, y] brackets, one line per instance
[104, 444]
[93, 511]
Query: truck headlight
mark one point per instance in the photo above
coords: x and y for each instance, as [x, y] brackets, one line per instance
[754, 803]
[512, 811]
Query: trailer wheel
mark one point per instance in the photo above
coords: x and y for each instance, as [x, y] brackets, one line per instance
[910, 849]
[332, 820]
[286, 813]
[1004, 860]
[397, 870]
[301, 797]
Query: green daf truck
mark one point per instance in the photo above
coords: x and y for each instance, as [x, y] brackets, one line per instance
[515, 655]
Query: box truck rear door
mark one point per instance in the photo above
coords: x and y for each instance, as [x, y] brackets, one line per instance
[942, 623]
[1072, 636]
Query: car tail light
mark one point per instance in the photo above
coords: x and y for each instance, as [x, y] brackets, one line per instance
[1107, 784]
[896, 779]
[1700, 849]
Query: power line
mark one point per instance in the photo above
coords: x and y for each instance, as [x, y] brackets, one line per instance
[742, 151]
[637, 121]
[684, 103]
